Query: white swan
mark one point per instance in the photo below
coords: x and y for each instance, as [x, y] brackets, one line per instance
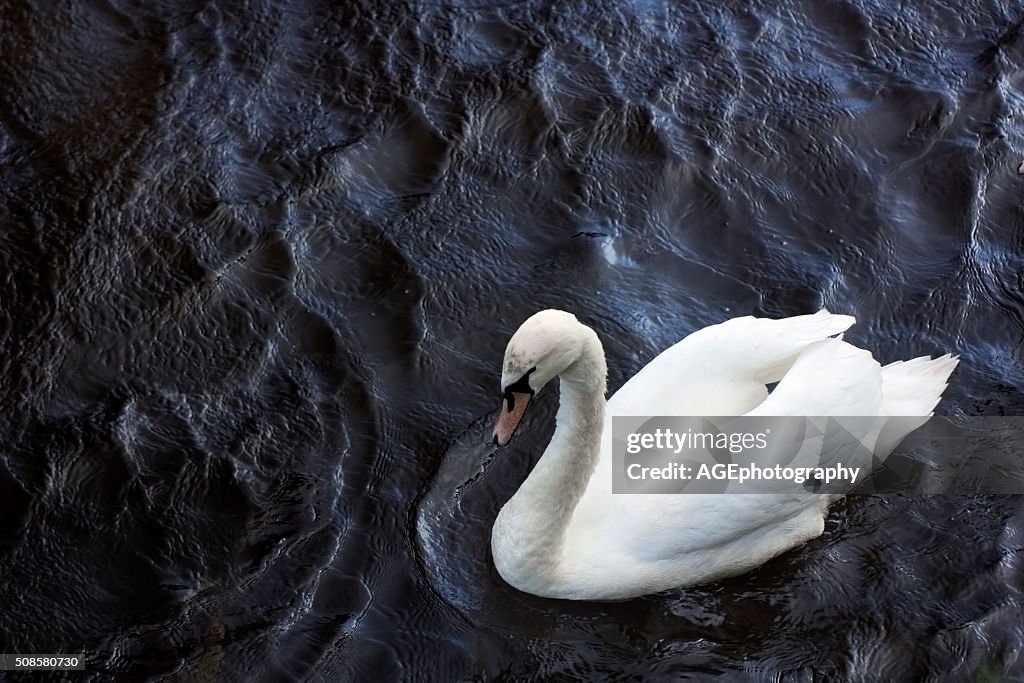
[565, 535]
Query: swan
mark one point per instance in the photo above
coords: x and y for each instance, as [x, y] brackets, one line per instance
[564, 534]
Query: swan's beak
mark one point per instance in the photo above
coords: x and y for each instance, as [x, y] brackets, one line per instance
[512, 410]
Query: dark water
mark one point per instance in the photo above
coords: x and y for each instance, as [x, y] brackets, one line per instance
[259, 264]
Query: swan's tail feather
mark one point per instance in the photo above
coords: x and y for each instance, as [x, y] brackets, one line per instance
[913, 387]
[910, 391]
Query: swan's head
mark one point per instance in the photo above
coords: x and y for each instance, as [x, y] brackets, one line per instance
[543, 346]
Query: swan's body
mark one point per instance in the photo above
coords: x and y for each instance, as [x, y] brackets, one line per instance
[564, 534]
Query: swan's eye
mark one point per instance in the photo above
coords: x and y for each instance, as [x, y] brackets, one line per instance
[520, 386]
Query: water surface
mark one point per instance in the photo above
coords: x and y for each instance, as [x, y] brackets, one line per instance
[259, 265]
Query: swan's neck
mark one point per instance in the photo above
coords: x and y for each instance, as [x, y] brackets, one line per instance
[530, 529]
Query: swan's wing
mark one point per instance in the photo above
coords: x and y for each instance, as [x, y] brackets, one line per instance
[722, 369]
[831, 377]
[835, 380]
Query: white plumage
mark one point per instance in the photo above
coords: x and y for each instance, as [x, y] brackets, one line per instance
[565, 534]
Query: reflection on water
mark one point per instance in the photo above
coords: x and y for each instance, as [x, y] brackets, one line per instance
[261, 266]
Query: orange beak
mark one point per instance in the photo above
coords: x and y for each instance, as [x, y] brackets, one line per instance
[511, 414]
